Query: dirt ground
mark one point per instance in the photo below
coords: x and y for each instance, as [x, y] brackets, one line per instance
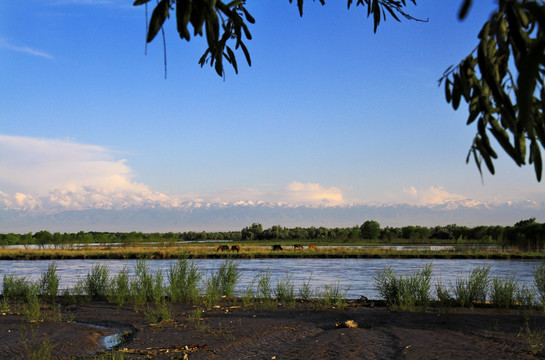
[233, 332]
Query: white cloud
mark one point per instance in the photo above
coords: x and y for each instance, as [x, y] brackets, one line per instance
[4, 44]
[46, 174]
[433, 196]
[312, 193]
[292, 194]
[50, 174]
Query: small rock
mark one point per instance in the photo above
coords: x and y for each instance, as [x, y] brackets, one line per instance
[347, 324]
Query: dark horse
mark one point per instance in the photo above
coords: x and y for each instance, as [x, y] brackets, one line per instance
[277, 247]
[223, 248]
[297, 246]
[235, 248]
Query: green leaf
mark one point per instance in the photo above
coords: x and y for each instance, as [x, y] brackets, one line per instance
[183, 13]
[246, 52]
[249, 17]
[464, 9]
[158, 17]
[456, 96]
[448, 94]
[387, 7]
[502, 137]
[535, 158]
[231, 58]
[140, 2]
[376, 14]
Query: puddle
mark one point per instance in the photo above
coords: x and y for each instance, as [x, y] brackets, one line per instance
[111, 341]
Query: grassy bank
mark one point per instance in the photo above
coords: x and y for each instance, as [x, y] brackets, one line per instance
[252, 251]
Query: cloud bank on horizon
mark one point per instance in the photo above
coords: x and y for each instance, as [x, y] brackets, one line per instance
[53, 175]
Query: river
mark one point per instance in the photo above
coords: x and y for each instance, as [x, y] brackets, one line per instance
[352, 275]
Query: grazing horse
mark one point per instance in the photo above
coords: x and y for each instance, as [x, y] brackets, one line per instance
[297, 246]
[277, 247]
[235, 248]
[223, 248]
[312, 246]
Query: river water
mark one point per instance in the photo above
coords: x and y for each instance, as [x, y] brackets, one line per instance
[352, 275]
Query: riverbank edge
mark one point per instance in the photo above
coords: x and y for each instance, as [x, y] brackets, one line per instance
[166, 255]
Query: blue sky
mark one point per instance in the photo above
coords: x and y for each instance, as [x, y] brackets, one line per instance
[328, 113]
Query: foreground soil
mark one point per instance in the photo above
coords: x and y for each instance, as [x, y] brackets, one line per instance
[233, 332]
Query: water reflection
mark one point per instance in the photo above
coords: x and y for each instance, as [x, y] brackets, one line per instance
[356, 275]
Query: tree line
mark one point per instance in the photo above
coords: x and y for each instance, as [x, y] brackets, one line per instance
[525, 234]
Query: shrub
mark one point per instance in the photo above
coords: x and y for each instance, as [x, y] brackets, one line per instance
[183, 278]
[49, 282]
[539, 282]
[264, 289]
[285, 290]
[15, 287]
[525, 297]
[120, 292]
[443, 294]
[228, 275]
[305, 290]
[96, 282]
[404, 291]
[32, 309]
[333, 295]
[212, 290]
[248, 294]
[503, 292]
[473, 288]
[145, 286]
[222, 282]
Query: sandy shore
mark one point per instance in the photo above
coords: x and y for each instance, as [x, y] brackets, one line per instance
[232, 332]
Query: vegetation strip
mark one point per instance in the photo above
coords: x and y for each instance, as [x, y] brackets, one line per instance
[255, 252]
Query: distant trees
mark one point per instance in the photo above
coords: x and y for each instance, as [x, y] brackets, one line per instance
[370, 229]
[525, 234]
[253, 232]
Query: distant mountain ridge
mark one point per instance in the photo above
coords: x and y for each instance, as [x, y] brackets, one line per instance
[209, 216]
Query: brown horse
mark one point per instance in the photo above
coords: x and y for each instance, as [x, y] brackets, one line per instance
[235, 248]
[313, 246]
[223, 248]
[277, 247]
[297, 246]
